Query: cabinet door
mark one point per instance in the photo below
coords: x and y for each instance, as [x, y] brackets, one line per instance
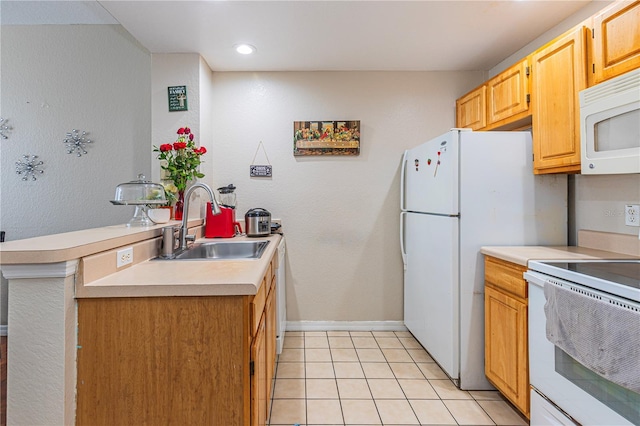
[270, 335]
[558, 73]
[616, 40]
[507, 94]
[259, 378]
[506, 348]
[162, 361]
[471, 110]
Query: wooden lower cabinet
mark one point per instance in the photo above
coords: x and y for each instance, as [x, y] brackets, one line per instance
[174, 360]
[259, 397]
[506, 345]
[270, 334]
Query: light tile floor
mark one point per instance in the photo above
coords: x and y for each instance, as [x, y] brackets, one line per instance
[373, 378]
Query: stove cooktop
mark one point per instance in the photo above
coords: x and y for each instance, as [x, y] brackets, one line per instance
[625, 273]
[618, 277]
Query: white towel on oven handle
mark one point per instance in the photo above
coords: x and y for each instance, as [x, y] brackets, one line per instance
[602, 336]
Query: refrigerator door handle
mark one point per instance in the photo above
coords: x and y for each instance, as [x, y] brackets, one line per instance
[402, 179]
[402, 248]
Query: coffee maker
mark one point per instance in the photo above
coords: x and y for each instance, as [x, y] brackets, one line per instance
[223, 225]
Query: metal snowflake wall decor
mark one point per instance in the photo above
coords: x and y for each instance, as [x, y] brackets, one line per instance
[4, 129]
[29, 167]
[76, 142]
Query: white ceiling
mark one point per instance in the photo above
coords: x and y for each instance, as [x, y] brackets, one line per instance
[332, 35]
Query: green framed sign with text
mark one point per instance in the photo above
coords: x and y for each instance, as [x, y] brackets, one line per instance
[177, 98]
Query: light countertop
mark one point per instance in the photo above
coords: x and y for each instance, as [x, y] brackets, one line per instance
[97, 275]
[153, 278]
[76, 244]
[521, 255]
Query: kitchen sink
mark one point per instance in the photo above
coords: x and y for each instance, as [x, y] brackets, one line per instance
[224, 250]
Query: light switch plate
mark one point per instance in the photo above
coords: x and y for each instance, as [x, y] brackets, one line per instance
[124, 257]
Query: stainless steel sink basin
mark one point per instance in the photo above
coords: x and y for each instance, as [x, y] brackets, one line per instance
[224, 250]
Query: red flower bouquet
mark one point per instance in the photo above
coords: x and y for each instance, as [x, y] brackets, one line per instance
[182, 159]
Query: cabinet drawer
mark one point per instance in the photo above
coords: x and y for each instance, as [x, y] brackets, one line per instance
[506, 276]
[257, 306]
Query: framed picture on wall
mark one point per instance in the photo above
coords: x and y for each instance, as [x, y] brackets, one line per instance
[326, 137]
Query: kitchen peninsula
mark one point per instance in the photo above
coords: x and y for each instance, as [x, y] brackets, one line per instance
[93, 343]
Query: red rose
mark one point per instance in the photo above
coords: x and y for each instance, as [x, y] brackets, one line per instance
[201, 150]
[179, 145]
[166, 147]
[187, 130]
[181, 131]
[191, 136]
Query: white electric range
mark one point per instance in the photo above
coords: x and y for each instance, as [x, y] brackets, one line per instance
[604, 305]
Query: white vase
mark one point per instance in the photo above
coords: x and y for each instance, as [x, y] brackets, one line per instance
[159, 215]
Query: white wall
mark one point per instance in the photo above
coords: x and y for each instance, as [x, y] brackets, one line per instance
[183, 69]
[340, 214]
[173, 70]
[600, 201]
[56, 78]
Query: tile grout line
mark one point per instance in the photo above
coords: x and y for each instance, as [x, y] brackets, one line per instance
[365, 375]
[401, 388]
[335, 377]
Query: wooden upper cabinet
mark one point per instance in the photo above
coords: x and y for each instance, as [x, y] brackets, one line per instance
[508, 94]
[501, 102]
[616, 40]
[471, 109]
[558, 74]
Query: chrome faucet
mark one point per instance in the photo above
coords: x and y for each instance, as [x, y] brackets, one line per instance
[215, 209]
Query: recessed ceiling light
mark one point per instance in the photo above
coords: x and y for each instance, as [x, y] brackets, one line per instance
[245, 49]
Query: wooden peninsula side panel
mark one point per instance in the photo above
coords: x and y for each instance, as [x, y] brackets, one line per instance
[163, 360]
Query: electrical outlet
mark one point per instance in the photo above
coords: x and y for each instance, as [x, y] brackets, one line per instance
[632, 215]
[124, 257]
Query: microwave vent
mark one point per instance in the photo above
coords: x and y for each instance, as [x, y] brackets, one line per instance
[621, 84]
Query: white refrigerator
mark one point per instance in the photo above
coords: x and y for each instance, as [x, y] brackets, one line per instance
[461, 191]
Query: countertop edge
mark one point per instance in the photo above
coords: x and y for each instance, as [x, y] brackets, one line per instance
[76, 244]
[521, 255]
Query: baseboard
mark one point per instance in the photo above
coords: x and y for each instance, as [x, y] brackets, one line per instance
[346, 326]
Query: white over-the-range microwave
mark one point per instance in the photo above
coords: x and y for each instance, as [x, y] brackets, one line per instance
[610, 126]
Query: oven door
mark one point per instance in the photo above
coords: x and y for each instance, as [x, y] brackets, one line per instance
[585, 396]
